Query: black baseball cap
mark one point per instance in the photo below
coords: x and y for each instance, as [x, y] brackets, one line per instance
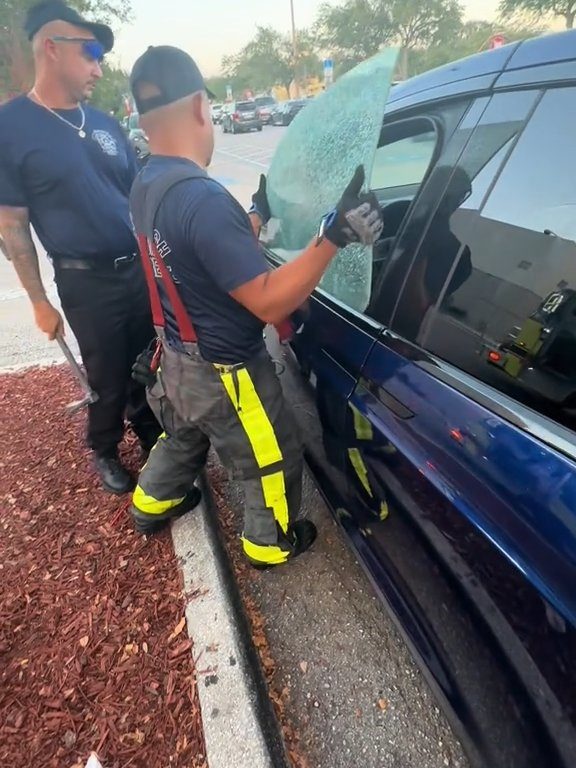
[172, 73]
[56, 10]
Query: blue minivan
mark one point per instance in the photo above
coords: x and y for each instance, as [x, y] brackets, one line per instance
[441, 367]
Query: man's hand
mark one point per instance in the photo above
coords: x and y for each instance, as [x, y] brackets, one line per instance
[357, 218]
[260, 204]
[48, 319]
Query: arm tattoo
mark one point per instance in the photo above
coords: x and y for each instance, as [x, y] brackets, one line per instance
[20, 249]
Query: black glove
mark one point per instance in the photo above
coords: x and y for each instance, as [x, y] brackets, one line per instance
[260, 202]
[142, 372]
[357, 217]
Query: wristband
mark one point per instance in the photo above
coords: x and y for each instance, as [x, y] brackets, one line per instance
[325, 223]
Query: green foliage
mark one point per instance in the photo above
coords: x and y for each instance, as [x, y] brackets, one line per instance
[472, 37]
[269, 59]
[110, 91]
[357, 29]
[536, 9]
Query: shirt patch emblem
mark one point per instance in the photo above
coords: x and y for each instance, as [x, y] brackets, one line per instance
[107, 142]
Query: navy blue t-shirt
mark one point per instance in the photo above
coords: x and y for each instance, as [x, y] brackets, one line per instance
[75, 189]
[206, 239]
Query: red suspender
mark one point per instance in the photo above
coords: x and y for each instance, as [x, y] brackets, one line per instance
[185, 327]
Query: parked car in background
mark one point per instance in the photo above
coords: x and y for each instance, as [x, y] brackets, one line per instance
[435, 374]
[241, 116]
[136, 135]
[273, 111]
[216, 111]
[265, 105]
[139, 142]
[287, 111]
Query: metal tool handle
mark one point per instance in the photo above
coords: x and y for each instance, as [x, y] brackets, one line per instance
[76, 369]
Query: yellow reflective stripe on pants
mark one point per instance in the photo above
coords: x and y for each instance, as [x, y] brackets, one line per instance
[264, 553]
[362, 427]
[254, 418]
[275, 497]
[151, 506]
[262, 438]
[360, 469]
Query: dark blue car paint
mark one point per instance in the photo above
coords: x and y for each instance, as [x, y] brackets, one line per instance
[477, 559]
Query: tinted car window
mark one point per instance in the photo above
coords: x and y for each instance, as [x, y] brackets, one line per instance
[506, 311]
[245, 106]
[314, 163]
[264, 101]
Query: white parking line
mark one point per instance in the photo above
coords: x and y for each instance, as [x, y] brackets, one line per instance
[242, 159]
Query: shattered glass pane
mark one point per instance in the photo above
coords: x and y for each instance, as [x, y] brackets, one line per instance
[314, 163]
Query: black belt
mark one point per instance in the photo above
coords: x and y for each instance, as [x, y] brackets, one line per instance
[101, 264]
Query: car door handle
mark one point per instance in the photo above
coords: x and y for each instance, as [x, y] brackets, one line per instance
[393, 404]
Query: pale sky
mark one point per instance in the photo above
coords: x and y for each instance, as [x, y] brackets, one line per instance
[210, 29]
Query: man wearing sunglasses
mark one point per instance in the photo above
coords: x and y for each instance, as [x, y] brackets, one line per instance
[66, 169]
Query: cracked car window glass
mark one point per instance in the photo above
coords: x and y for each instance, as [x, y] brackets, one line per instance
[314, 163]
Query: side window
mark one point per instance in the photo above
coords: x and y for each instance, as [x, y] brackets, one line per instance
[503, 306]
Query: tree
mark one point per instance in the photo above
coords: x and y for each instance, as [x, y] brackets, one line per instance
[218, 86]
[423, 23]
[535, 9]
[111, 90]
[354, 31]
[470, 38]
[15, 55]
[268, 60]
[358, 29]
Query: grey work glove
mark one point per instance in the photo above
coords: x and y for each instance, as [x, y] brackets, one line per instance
[357, 217]
[260, 204]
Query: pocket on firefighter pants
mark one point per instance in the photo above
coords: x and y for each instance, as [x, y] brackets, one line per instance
[160, 405]
[193, 387]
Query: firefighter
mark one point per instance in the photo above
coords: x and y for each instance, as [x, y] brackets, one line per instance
[212, 293]
[66, 169]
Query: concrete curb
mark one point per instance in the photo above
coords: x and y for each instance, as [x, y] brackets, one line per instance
[240, 727]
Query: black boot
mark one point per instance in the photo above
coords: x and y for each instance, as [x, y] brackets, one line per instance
[115, 479]
[149, 524]
[299, 538]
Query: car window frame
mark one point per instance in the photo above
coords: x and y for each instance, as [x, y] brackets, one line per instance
[431, 112]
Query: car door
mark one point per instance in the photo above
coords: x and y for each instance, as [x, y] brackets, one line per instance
[468, 399]
[311, 168]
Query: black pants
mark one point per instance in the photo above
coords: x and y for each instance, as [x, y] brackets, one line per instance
[109, 313]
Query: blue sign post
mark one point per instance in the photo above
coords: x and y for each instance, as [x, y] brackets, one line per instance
[328, 72]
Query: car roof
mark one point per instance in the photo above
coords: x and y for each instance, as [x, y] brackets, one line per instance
[483, 69]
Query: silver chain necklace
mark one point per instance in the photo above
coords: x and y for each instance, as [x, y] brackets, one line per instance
[78, 128]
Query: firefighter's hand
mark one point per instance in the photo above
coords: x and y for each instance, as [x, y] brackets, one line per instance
[358, 216]
[142, 372]
[48, 319]
[260, 205]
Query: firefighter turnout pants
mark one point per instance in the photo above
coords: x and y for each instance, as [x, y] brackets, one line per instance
[240, 411]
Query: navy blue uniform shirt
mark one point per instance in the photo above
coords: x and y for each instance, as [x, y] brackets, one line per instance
[206, 240]
[75, 189]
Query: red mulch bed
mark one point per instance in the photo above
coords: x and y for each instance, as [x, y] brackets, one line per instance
[94, 654]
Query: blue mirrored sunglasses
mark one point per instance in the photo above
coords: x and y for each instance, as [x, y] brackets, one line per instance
[91, 48]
